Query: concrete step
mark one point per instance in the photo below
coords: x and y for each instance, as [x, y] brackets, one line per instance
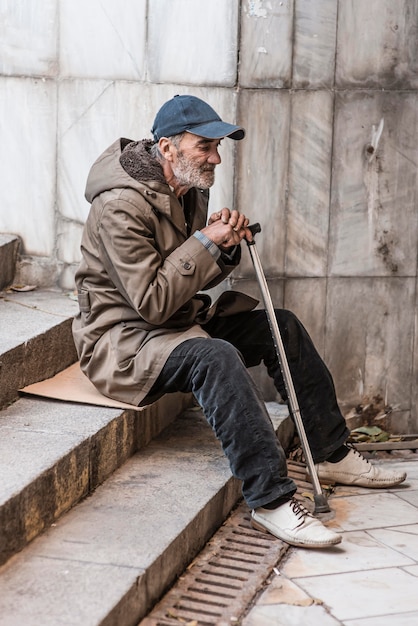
[35, 338]
[53, 454]
[109, 559]
[9, 249]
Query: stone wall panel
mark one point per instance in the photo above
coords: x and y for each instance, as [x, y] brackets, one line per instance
[262, 172]
[309, 183]
[373, 229]
[28, 157]
[369, 337]
[410, 386]
[28, 38]
[314, 44]
[193, 42]
[306, 297]
[109, 40]
[266, 43]
[92, 115]
[377, 44]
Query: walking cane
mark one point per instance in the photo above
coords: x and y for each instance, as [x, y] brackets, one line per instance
[321, 504]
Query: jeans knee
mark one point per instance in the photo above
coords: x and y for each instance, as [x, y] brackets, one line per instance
[286, 317]
[221, 351]
[292, 330]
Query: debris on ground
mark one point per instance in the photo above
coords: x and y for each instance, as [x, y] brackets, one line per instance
[373, 438]
[370, 412]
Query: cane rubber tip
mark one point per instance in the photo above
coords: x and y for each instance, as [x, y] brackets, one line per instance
[321, 504]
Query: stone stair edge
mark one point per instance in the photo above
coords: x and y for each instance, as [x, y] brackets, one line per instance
[133, 536]
[35, 338]
[9, 250]
[53, 454]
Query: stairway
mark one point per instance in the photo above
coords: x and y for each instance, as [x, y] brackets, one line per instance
[100, 509]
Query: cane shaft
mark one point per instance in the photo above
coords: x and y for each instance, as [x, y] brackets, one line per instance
[287, 377]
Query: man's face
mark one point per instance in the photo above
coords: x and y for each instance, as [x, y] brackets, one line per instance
[195, 161]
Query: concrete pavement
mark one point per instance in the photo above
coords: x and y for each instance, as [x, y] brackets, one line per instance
[370, 579]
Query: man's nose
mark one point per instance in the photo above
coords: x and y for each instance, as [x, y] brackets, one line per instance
[215, 158]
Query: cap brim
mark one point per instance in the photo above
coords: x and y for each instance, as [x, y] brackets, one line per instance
[217, 130]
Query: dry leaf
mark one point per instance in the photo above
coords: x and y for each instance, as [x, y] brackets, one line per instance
[171, 613]
[308, 495]
[23, 287]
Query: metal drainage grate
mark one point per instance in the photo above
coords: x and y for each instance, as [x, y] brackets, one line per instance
[219, 585]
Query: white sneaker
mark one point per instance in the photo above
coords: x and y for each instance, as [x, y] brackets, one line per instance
[292, 523]
[354, 469]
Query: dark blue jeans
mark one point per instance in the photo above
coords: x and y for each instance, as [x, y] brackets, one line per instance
[215, 371]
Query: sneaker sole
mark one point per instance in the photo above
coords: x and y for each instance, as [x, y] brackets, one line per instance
[257, 526]
[332, 481]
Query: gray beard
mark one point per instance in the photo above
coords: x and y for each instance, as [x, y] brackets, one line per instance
[191, 176]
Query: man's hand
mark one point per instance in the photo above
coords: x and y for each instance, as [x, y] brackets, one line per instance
[227, 228]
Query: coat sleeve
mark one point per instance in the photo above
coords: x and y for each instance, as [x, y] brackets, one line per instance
[141, 256]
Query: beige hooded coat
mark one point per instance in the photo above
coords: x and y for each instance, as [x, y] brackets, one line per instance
[140, 273]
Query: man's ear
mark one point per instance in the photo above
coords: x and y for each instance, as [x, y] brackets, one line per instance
[166, 148]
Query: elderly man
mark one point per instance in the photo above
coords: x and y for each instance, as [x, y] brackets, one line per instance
[145, 328]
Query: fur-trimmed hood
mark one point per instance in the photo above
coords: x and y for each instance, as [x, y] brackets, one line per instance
[124, 164]
[137, 161]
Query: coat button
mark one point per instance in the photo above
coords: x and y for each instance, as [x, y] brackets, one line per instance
[187, 266]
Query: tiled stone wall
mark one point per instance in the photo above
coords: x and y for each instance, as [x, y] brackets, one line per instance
[327, 90]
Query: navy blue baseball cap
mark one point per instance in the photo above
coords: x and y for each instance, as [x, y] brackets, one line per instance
[191, 114]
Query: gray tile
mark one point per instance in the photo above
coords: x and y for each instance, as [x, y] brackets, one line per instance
[266, 44]
[309, 183]
[192, 62]
[369, 328]
[28, 108]
[372, 511]
[306, 298]
[287, 615]
[69, 236]
[403, 539]
[411, 468]
[384, 38]
[400, 619]
[414, 394]
[358, 552]
[409, 496]
[28, 39]
[373, 228]
[315, 43]
[262, 179]
[93, 114]
[113, 44]
[363, 594]
[413, 570]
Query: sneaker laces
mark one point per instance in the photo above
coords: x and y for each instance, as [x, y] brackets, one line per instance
[298, 509]
[354, 449]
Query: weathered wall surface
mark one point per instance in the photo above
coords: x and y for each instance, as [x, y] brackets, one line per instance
[327, 90]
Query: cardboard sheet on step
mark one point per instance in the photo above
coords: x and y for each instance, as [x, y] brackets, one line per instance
[71, 385]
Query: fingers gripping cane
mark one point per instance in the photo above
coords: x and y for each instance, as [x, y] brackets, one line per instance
[321, 504]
